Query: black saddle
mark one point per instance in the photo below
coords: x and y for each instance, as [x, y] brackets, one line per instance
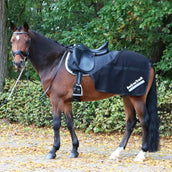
[82, 61]
[84, 57]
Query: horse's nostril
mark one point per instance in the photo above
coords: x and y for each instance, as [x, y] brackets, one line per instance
[21, 62]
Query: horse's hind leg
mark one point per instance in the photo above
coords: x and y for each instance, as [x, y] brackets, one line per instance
[130, 123]
[141, 110]
[70, 125]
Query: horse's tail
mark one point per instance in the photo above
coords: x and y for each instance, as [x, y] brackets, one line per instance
[153, 136]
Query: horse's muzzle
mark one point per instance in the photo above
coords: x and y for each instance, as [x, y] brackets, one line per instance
[19, 64]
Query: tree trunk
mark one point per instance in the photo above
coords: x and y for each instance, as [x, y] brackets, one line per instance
[158, 45]
[3, 42]
[157, 51]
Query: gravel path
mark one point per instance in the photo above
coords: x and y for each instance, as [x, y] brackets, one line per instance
[24, 149]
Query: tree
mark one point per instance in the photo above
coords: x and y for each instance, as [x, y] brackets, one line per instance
[3, 42]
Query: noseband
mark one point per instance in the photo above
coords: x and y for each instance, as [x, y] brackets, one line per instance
[24, 55]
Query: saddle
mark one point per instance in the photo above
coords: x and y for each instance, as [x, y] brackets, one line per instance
[84, 57]
[83, 61]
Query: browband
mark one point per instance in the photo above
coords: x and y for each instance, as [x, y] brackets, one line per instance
[21, 33]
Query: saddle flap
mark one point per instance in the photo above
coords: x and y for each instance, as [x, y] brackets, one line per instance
[86, 62]
[83, 59]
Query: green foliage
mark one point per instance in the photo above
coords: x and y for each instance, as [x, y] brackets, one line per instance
[24, 107]
[66, 14]
[165, 65]
[99, 116]
[165, 105]
[129, 24]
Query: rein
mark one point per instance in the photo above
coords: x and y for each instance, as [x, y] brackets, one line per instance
[58, 67]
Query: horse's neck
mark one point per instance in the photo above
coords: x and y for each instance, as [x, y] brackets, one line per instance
[44, 53]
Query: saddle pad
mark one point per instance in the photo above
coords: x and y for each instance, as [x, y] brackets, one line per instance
[128, 74]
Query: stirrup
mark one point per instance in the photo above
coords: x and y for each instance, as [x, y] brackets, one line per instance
[77, 93]
[77, 90]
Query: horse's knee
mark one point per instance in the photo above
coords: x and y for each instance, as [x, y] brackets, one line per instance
[69, 124]
[56, 122]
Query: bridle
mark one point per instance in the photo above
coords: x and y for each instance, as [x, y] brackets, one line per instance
[24, 55]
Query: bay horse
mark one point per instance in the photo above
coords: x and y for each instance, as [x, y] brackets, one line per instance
[45, 55]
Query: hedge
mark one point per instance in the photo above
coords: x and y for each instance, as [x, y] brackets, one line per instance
[107, 115]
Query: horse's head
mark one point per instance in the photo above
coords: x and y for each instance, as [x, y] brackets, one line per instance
[20, 44]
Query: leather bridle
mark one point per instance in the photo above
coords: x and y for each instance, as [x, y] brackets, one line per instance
[24, 55]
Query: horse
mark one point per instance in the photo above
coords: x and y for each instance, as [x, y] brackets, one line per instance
[45, 55]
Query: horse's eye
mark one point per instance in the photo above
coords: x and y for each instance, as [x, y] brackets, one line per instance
[27, 42]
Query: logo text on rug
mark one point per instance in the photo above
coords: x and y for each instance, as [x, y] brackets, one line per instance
[135, 84]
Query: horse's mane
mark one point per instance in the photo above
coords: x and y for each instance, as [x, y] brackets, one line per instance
[44, 37]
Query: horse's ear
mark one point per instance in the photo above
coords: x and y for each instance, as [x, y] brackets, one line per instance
[25, 27]
[13, 27]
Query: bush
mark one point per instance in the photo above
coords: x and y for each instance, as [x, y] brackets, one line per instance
[99, 116]
[25, 107]
[165, 105]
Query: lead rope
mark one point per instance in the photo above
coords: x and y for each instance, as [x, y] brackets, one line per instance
[13, 87]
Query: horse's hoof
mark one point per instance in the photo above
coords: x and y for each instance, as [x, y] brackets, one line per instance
[116, 153]
[114, 157]
[73, 155]
[50, 156]
[140, 157]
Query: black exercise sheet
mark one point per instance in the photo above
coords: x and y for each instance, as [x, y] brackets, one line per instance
[127, 74]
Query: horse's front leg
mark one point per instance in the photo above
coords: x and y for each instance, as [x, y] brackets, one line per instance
[56, 127]
[70, 126]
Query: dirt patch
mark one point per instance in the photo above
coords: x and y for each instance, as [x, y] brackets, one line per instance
[25, 149]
